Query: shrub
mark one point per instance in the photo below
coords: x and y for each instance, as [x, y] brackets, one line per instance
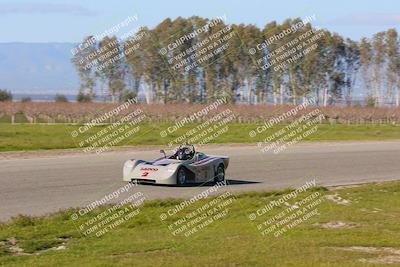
[5, 95]
[127, 95]
[26, 99]
[83, 98]
[23, 220]
[371, 101]
[60, 98]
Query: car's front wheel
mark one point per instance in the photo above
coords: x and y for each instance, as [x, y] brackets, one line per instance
[181, 176]
[220, 174]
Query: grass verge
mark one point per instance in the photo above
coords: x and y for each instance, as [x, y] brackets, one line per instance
[40, 136]
[355, 226]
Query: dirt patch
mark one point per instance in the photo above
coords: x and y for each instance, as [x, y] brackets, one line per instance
[338, 199]
[12, 243]
[385, 255]
[62, 247]
[12, 246]
[339, 187]
[390, 259]
[147, 251]
[337, 225]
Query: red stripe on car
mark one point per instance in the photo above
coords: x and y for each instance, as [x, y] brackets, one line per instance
[202, 161]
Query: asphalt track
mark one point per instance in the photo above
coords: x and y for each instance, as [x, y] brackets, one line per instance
[40, 185]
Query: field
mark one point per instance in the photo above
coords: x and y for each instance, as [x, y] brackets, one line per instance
[32, 125]
[58, 136]
[34, 112]
[354, 226]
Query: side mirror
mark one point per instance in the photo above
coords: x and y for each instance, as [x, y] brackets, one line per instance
[163, 152]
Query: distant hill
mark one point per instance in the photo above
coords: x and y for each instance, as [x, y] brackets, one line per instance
[37, 68]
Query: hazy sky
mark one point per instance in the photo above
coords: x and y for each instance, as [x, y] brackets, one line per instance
[70, 21]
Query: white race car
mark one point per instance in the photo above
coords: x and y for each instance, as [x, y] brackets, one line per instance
[184, 166]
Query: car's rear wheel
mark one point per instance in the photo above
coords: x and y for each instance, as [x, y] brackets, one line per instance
[220, 174]
[181, 176]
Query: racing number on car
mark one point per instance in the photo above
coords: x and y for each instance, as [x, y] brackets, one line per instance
[146, 171]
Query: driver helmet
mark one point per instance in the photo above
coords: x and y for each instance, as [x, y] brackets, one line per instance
[185, 153]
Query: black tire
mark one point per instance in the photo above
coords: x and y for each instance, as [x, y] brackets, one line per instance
[220, 174]
[181, 176]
